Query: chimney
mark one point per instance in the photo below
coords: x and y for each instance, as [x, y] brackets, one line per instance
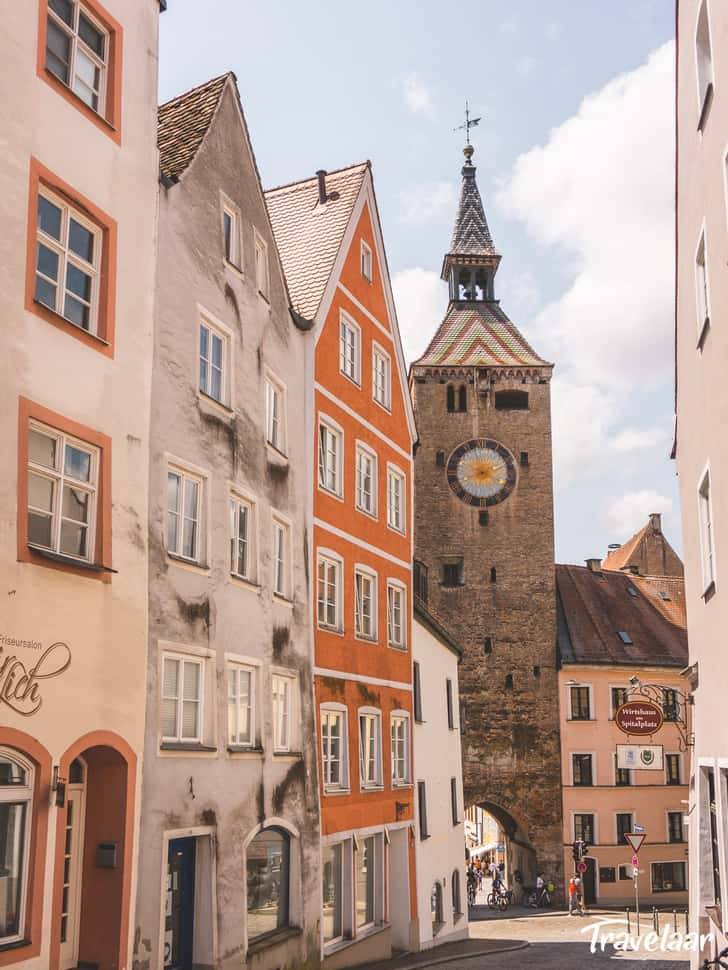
[321, 175]
[594, 566]
[656, 522]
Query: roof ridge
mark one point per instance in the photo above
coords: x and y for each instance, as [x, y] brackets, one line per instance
[198, 87]
[312, 178]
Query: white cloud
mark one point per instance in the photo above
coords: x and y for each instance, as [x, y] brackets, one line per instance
[428, 202]
[582, 416]
[417, 95]
[421, 300]
[642, 439]
[526, 65]
[628, 513]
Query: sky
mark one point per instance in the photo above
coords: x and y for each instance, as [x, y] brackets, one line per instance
[575, 165]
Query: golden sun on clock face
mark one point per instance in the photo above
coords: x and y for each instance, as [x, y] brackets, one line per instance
[481, 472]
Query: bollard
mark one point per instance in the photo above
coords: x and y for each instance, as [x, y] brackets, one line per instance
[674, 921]
[655, 920]
[686, 922]
[629, 928]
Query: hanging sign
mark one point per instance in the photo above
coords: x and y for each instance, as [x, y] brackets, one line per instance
[639, 717]
[635, 839]
[645, 757]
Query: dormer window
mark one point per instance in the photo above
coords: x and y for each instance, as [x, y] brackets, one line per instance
[625, 637]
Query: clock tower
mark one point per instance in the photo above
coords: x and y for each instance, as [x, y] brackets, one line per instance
[484, 542]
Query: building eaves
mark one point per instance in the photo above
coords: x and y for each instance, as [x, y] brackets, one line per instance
[436, 628]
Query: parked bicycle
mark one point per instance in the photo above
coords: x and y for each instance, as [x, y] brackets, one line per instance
[537, 901]
[471, 893]
[718, 962]
[500, 899]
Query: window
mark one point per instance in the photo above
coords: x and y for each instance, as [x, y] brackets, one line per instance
[524, 459]
[625, 872]
[457, 398]
[701, 287]
[625, 637]
[242, 549]
[453, 573]
[281, 558]
[328, 595]
[213, 363]
[420, 580]
[282, 696]
[622, 776]
[63, 480]
[77, 51]
[366, 480]
[370, 750]
[333, 882]
[450, 396]
[396, 616]
[400, 749]
[668, 877]
[366, 888]
[330, 448]
[672, 769]
[454, 800]
[670, 704]
[584, 827]
[436, 915]
[456, 902]
[581, 766]
[334, 745]
[511, 400]
[607, 874]
[704, 63]
[381, 377]
[449, 702]
[462, 398]
[675, 827]
[709, 823]
[231, 234]
[182, 693]
[366, 261]
[16, 800]
[365, 605]
[417, 691]
[275, 424]
[184, 497]
[241, 706]
[580, 703]
[68, 261]
[349, 349]
[261, 266]
[619, 696]
[422, 809]
[624, 825]
[268, 882]
[706, 534]
[395, 500]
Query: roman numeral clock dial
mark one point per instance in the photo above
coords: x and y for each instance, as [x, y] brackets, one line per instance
[481, 472]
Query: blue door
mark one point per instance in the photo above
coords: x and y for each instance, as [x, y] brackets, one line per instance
[179, 920]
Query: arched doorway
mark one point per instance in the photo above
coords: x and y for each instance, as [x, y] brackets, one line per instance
[493, 837]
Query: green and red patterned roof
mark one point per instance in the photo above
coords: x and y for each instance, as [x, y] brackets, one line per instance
[479, 336]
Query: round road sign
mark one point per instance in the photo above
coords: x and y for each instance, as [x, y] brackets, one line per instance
[582, 867]
[635, 860]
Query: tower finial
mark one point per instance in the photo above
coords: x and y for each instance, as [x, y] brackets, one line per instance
[469, 123]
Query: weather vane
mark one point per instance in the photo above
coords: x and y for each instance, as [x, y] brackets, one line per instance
[469, 123]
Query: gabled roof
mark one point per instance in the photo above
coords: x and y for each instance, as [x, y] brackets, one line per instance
[592, 609]
[479, 335]
[648, 551]
[309, 234]
[183, 123]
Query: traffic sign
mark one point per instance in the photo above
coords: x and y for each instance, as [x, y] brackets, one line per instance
[635, 861]
[635, 839]
[582, 867]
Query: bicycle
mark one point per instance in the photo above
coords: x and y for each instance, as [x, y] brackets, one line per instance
[717, 962]
[501, 899]
[471, 894]
[539, 902]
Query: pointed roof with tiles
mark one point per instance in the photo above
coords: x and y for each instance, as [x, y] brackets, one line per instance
[183, 123]
[471, 235]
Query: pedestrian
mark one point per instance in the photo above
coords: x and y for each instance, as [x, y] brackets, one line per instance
[540, 888]
[572, 895]
[579, 897]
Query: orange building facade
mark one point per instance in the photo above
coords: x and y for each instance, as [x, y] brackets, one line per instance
[361, 554]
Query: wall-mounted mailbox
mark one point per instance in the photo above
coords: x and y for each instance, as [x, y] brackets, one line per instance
[106, 855]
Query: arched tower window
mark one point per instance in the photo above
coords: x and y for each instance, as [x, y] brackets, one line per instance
[450, 397]
[462, 398]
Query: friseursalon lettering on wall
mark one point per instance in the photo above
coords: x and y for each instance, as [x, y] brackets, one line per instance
[21, 679]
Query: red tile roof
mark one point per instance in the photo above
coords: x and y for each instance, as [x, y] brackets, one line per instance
[183, 123]
[309, 235]
[648, 550]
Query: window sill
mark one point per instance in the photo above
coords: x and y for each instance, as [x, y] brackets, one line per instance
[337, 791]
[273, 939]
[288, 755]
[370, 515]
[276, 456]
[245, 583]
[190, 563]
[245, 749]
[384, 407]
[399, 532]
[703, 333]
[221, 406]
[402, 647]
[361, 638]
[14, 945]
[335, 630]
[350, 379]
[283, 600]
[363, 934]
[709, 592]
[331, 493]
[234, 268]
[371, 788]
[70, 323]
[402, 785]
[59, 557]
[70, 95]
[187, 746]
[705, 109]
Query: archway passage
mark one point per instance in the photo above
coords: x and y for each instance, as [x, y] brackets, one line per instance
[494, 838]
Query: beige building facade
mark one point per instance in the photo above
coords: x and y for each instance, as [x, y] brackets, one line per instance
[700, 449]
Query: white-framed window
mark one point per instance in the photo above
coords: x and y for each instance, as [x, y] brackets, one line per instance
[275, 413]
[182, 698]
[67, 262]
[381, 377]
[705, 518]
[701, 285]
[241, 705]
[231, 233]
[581, 705]
[365, 604]
[330, 457]
[366, 479]
[243, 556]
[370, 748]
[77, 51]
[366, 261]
[337, 890]
[396, 615]
[396, 499]
[261, 266]
[16, 824]
[214, 360]
[583, 768]
[282, 688]
[281, 557]
[334, 747]
[703, 58]
[184, 514]
[349, 349]
[329, 592]
[368, 881]
[63, 477]
[400, 748]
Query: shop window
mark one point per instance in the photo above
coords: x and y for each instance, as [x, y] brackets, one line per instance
[268, 882]
[333, 885]
[16, 803]
[368, 875]
[668, 877]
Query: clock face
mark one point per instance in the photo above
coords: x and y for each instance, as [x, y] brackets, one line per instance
[481, 472]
